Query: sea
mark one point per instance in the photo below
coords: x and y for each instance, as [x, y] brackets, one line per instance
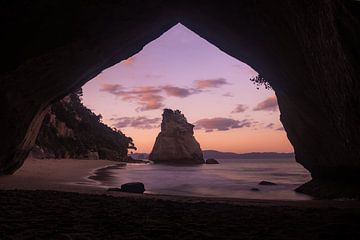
[232, 178]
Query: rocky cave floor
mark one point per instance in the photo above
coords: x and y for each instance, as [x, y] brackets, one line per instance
[62, 215]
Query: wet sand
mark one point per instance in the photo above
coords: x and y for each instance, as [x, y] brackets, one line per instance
[55, 174]
[87, 211]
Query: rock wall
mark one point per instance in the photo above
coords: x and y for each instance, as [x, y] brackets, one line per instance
[308, 51]
[176, 143]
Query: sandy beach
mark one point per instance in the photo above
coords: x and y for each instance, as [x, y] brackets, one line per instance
[55, 174]
[66, 208]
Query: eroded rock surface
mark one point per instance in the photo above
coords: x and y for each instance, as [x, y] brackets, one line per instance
[176, 142]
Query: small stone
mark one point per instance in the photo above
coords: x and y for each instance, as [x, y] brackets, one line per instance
[211, 161]
[267, 183]
[114, 189]
[255, 189]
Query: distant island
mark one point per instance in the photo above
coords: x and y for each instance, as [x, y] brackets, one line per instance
[230, 155]
[251, 155]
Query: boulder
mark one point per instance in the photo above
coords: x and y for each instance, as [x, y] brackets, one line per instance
[130, 159]
[176, 143]
[267, 183]
[116, 189]
[133, 187]
[211, 161]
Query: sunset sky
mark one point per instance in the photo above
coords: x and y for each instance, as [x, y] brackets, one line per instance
[180, 70]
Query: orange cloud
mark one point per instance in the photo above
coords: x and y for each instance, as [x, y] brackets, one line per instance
[149, 101]
[210, 83]
[130, 61]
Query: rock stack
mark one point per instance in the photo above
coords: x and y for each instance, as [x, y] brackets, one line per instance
[176, 143]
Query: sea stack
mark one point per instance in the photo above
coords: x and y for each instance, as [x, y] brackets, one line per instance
[176, 143]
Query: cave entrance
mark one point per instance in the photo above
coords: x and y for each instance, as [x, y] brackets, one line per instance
[181, 70]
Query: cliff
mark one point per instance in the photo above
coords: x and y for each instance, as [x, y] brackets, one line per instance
[70, 130]
[176, 143]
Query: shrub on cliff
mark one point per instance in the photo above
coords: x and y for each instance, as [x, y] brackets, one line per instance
[71, 130]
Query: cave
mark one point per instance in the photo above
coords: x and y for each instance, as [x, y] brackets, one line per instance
[307, 50]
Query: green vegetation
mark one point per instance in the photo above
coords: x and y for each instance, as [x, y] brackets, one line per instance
[71, 130]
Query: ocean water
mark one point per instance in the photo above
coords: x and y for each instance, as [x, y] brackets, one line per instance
[233, 178]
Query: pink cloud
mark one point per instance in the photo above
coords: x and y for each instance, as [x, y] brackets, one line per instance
[149, 101]
[112, 88]
[150, 97]
[269, 104]
[239, 108]
[210, 83]
[178, 91]
[147, 97]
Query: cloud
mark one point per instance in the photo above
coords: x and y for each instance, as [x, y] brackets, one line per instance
[261, 125]
[142, 122]
[239, 108]
[210, 83]
[269, 104]
[151, 97]
[179, 92]
[149, 101]
[129, 62]
[221, 124]
[147, 97]
[228, 94]
[112, 88]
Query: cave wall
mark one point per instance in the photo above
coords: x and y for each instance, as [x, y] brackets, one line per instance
[308, 51]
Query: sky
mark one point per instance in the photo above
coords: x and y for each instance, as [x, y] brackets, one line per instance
[181, 70]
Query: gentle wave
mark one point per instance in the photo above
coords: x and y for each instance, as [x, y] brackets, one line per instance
[235, 178]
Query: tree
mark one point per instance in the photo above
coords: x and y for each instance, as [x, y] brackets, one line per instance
[99, 117]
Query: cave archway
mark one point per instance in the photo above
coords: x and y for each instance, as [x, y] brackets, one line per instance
[306, 50]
